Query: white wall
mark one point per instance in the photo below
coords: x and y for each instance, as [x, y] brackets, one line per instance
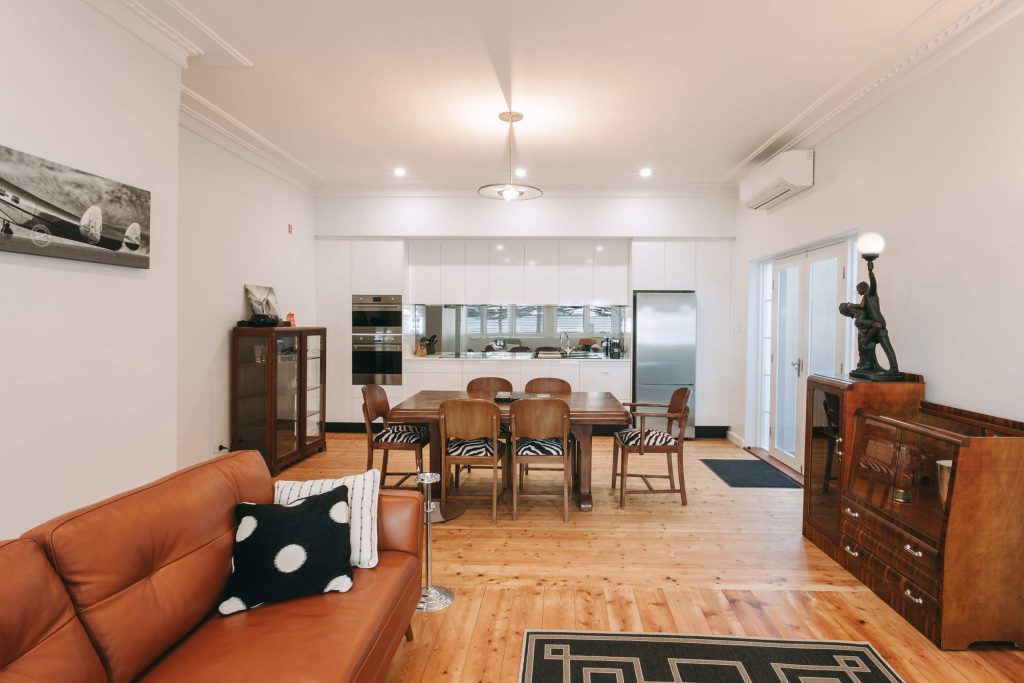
[938, 170]
[713, 216]
[89, 351]
[234, 220]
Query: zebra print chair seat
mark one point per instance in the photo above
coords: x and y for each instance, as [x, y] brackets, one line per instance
[483, 448]
[552, 446]
[403, 434]
[652, 437]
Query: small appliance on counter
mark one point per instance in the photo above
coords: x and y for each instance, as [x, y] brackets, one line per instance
[612, 347]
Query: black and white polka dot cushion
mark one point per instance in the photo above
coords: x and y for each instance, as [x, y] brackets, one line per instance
[402, 434]
[552, 446]
[653, 437]
[284, 552]
[480, 447]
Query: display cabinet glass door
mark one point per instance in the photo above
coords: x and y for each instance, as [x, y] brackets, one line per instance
[824, 459]
[251, 393]
[286, 359]
[314, 427]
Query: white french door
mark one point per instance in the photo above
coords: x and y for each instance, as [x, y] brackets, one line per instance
[808, 336]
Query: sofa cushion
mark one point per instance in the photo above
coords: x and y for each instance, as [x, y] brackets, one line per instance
[334, 637]
[286, 552]
[41, 639]
[145, 567]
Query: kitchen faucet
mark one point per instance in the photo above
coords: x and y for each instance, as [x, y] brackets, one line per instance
[563, 340]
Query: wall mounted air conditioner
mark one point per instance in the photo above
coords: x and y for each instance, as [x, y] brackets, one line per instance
[786, 175]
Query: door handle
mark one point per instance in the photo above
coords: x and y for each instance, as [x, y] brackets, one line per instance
[799, 365]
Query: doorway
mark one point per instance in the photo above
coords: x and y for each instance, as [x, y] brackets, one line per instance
[808, 336]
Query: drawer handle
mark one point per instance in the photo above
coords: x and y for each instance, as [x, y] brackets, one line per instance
[850, 512]
[915, 553]
[912, 598]
[851, 553]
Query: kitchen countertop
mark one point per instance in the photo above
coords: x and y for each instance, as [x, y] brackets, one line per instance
[507, 355]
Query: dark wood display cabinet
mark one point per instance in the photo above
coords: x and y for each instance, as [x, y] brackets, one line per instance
[926, 507]
[278, 392]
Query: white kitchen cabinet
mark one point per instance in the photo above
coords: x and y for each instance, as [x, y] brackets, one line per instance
[424, 272]
[647, 265]
[680, 265]
[532, 369]
[569, 370]
[506, 273]
[395, 394]
[714, 314]
[611, 273]
[540, 273]
[448, 379]
[378, 267]
[478, 272]
[334, 311]
[453, 272]
[575, 273]
[611, 376]
[471, 369]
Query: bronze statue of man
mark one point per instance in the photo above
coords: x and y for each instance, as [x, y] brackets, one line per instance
[871, 331]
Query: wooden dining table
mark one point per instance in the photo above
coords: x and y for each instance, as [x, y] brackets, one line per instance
[586, 409]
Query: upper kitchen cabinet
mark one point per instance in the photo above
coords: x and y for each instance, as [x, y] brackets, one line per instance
[648, 265]
[714, 311]
[424, 272]
[453, 273]
[680, 265]
[477, 272]
[575, 273]
[540, 280]
[506, 275]
[611, 273]
[378, 267]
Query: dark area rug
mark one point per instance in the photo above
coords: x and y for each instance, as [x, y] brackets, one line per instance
[750, 474]
[598, 657]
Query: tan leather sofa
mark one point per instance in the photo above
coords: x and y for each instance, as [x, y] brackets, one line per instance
[126, 589]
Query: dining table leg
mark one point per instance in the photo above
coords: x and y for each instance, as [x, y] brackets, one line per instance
[584, 437]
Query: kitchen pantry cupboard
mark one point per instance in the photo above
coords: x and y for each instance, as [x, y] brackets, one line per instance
[668, 265]
[425, 271]
[378, 267]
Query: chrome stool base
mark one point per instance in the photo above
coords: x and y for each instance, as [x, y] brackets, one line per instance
[432, 598]
[435, 598]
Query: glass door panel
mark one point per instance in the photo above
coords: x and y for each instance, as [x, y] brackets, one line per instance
[786, 366]
[313, 389]
[286, 359]
[251, 394]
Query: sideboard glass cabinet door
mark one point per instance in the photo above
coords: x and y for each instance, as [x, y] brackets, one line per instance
[314, 390]
[250, 390]
[824, 458]
[287, 423]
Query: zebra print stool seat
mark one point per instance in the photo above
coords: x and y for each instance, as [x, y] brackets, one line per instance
[652, 437]
[403, 434]
[552, 446]
[483, 447]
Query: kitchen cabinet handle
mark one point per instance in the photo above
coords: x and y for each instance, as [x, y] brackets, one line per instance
[915, 553]
[850, 512]
[851, 553]
[912, 598]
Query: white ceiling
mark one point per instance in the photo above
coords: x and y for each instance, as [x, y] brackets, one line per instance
[694, 90]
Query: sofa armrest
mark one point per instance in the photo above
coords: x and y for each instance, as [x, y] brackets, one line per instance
[400, 521]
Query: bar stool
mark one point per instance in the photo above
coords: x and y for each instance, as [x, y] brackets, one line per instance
[469, 436]
[394, 437]
[644, 441]
[540, 434]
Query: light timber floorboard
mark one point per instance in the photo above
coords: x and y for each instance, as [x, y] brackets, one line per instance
[732, 562]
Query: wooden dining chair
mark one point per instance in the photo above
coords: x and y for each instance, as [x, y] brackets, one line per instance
[491, 386]
[643, 440]
[469, 436]
[548, 385]
[393, 437]
[540, 434]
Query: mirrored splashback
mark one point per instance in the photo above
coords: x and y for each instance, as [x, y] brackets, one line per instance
[474, 328]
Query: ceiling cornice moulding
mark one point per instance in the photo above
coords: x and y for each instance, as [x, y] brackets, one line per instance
[690, 190]
[148, 28]
[937, 34]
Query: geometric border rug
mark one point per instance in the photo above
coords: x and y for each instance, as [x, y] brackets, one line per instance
[608, 657]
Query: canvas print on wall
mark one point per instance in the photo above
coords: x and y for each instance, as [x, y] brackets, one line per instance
[49, 209]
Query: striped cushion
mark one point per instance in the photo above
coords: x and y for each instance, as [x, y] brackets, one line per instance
[362, 501]
[552, 446]
[481, 447]
[653, 437]
[402, 434]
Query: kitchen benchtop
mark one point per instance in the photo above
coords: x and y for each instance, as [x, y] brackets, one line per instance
[508, 355]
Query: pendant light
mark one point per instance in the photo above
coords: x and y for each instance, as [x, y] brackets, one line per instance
[510, 191]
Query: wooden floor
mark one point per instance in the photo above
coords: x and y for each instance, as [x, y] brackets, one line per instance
[732, 562]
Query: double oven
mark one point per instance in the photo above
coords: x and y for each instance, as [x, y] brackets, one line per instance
[376, 340]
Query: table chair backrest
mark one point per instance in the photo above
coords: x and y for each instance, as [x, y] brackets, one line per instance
[488, 385]
[540, 418]
[548, 385]
[375, 405]
[679, 404]
[469, 418]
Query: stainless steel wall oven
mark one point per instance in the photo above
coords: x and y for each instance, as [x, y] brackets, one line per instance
[376, 340]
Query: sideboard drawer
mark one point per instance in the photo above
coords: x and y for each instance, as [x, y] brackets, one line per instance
[919, 565]
[917, 551]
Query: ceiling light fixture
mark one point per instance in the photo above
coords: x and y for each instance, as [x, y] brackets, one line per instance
[399, 172]
[510, 191]
[520, 173]
[645, 172]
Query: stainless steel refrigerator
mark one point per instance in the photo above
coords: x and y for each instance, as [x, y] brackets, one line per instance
[664, 349]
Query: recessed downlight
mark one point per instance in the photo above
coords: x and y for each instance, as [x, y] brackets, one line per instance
[399, 172]
[520, 173]
[646, 172]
